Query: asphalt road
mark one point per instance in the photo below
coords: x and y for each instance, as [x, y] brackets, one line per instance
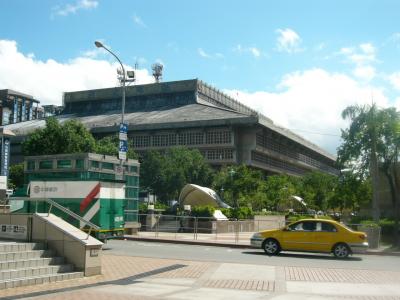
[248, 256]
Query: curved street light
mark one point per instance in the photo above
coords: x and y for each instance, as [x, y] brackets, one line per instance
[100, 45]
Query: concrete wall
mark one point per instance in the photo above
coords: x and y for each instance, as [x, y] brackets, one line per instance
[85, 255]
[268, 222]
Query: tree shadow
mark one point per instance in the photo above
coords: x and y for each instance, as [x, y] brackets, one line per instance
[121, 281]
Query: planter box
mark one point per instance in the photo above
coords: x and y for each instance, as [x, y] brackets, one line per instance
[373, 235]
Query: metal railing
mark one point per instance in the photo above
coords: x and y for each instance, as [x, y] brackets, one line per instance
[61, 208]
[210, 230]
[201, 228]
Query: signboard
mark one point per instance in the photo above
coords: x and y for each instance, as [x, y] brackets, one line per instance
[123, 141]
[123, 132]
[75, 189]
[123, 148]
[5, 156]
[3, 182]
[11, 231]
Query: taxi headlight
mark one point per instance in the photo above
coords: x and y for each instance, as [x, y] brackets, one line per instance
[257, 235]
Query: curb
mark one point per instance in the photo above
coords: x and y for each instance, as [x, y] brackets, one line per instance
[237, 246]
[156, 240]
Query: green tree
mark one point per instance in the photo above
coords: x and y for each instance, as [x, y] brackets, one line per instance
[362, 142]
[351, 192]
[241, 186]
[317, 189]
[167, 173]
[279, 189]
[109, 146]
[56, 138]
[16, 176]
[373, 141]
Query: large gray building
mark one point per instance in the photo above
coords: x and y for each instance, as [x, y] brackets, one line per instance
[193, 114]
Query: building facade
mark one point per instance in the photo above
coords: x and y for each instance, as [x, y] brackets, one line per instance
[193, 114]
[17, 107]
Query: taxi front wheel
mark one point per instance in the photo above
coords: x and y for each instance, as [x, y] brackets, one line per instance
[341, 250]
[271, 247]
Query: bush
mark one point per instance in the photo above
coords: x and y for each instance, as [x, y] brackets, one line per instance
[158, 206]
[238, 213]
[387, 226]
[206, 211]
[369, 223]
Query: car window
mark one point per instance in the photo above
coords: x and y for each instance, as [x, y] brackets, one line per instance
[303, 226]
[309, 226]
[327, 227]
[296, 226]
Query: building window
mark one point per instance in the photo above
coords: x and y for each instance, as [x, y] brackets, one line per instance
[219, 154]
[172, 139]
[218, 137]
[94, 164]
[107, 166]
[79, 163]
[141, 141]
[64, 164]
[30, 165]
[160, 140]
[45, 165]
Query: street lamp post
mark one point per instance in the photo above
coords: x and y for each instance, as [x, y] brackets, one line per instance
[100, 45]
[232, 173]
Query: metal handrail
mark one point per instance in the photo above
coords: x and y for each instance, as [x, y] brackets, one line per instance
[62, 208]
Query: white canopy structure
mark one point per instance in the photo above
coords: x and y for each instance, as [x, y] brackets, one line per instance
[196, 195]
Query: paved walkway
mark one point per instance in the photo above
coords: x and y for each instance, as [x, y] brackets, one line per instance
[127, 277]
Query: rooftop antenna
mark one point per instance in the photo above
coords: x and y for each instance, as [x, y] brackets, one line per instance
[157, 71]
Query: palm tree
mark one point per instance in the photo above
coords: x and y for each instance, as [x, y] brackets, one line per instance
[362, 140]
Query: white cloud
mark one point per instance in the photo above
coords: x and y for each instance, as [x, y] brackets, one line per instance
[394, 79]
[74, 8]
[311, 102]
[204, 54]
[138, 21]
[47, 80]
[366, 73]
[255, 52]
[288, 41]
[361, 55]
[252, 50]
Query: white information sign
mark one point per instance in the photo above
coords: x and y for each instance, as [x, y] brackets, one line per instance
[10, 231]
[3, 182]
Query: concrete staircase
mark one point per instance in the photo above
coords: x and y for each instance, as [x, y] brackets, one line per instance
[23, 264]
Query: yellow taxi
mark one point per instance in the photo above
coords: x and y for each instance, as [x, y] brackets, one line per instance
[312, 235]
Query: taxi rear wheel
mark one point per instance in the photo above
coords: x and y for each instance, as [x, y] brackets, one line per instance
[271, 247]
[341, 250]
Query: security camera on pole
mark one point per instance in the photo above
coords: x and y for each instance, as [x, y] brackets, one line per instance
[123, 127]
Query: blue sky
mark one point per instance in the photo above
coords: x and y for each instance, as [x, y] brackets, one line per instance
[298, 62]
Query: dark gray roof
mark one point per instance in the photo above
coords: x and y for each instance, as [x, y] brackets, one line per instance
[6, 92]
[192, 115]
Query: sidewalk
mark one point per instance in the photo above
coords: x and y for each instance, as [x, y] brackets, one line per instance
[241, 240]
[129, 277]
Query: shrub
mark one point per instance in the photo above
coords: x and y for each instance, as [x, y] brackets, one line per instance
[387, 226]
[238, 213]
[206, 211]
[369, 223]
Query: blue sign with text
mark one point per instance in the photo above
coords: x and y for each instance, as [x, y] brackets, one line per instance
[5, 156]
